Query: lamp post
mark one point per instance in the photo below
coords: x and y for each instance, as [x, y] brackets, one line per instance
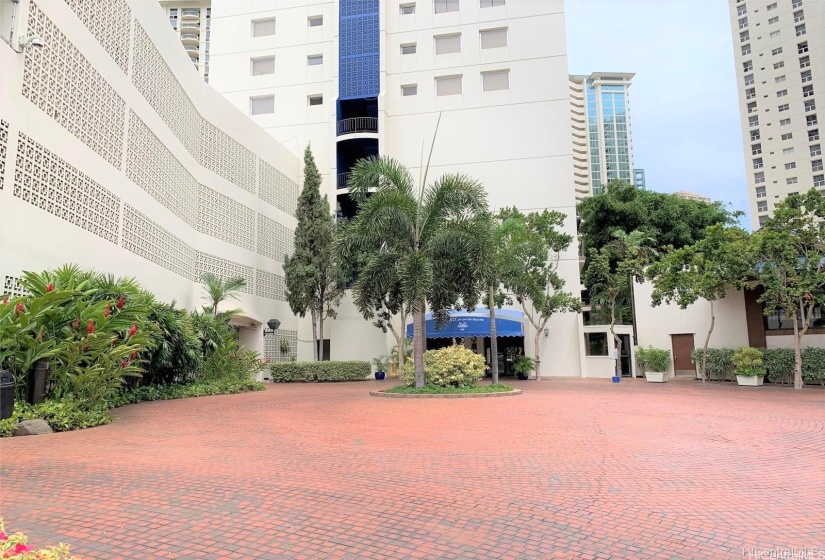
[273, 325]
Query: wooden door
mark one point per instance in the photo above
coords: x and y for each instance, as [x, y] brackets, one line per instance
[682, 348]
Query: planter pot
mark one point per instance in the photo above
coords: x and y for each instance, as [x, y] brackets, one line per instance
[379, 375]
[656, 376]
[616, 379]
[521, 376]
[38, 378]
[750, 380]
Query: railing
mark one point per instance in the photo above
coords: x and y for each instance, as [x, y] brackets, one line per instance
[357, 125]
[191, 48]
[343, 179]
[190, 12]
[190, 37]
[190, 24]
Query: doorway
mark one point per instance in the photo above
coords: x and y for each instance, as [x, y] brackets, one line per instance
[682, 345]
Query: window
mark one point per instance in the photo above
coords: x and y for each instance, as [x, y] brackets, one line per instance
[802, 48]
[816, 150]
[806, 76]
[407, 9]
[798, 16]
[743, 23]
[755, 135]
[787, 136]
[791, 180]
[800, 30]
[746, 49]
[807, 91]
[491, 3]
[261, 105]
[442, 6]
[749, 80]
[784, 107]
[752, 107]
[785, 122]
[741, 10]
[759, 177]
[757, 163]
[744, 36]
[805, 61]
[775, 34]
[787, 152]
[771, 7]
[493, 81]
[263, 27]
[762, 220]
[760, 192]
[753, 121]
[409, 48]
[595, 344]
[756, 149]
[773, 20]
[750, 93]
[263, 66]
[747, 66]
[776, 51]
[778, 65]
[819, 180]
[796, 4]
[447, 44]
[315, 21]
[816, 165]
[447, 85]
[493, 38]
[779, 79]
[811, 120]
[813, 135]
[409, 89]
[810, 105]
[782, 93]
[315, 60]
[789, 166]
[762, 206]
[316, 99]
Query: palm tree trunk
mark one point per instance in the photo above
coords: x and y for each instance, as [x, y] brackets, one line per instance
[419, 334]
[493, 339]
[707, 341]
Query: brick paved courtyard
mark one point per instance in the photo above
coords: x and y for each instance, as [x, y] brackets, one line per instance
[571, 469]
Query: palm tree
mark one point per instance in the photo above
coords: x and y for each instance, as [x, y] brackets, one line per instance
[217, 290]
[434, 232]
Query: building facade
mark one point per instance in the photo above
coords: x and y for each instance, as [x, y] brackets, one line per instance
[359, 78]
[688, 195]
[779, 48]
[192, 21]
[639, 179]
[115, 155]
[601, 103]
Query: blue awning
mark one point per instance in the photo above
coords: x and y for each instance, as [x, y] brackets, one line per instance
[474, 323]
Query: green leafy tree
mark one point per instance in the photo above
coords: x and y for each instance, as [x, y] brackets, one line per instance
[425, 237]
[531, 275]
[704, 270]
[611, 271]
[790, 254]
[314, 281]
[217, 290]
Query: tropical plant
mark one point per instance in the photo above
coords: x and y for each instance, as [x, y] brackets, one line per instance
[453, 366]
[653, 359]
[284, 346]
[432, 233]
[175, 354]
[380, 363]
[705, 270]
[790, 254]
[217, 290]
[314, 278]
[748, 361]
[17, 546]
[523, 366]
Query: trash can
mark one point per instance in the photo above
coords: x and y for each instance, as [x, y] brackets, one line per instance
[37, 381]
[6, 394]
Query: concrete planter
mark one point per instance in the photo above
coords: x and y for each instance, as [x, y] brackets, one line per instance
[750, 380]
[656, 376]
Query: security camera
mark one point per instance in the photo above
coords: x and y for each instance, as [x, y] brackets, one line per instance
[33, 40]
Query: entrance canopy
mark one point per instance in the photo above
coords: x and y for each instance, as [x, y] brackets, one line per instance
[474, 323]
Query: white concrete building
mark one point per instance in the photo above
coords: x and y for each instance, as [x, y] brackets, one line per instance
[779, 47]
[115, 155]
[688, 195]
[357, 78]
[192, 20]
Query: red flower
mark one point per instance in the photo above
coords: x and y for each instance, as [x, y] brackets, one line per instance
[120, 302]
[19, 548]
[50, 287]
[5, 300]
[122, 364]
[108, 310]
[76, 324]
[90, 328]
[133, 356]
[20, 308]
[133, 330]
[3, 536]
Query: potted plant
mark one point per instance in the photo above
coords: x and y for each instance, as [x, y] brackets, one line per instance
[284, 346]
[380, 364]
[523, 366]
[748, 366]
[655, 363]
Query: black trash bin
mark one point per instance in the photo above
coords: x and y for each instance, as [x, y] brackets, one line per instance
[6, 394]
[38, 378]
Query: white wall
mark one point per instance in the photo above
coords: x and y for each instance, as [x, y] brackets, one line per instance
[787, 341]
[164, 201]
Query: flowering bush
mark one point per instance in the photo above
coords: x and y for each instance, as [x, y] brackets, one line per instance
[454, 366]
[16, 547]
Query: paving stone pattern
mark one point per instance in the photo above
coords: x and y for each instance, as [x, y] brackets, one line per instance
[573, 469]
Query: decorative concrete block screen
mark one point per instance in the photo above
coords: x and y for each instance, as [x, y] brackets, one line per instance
[226, 157]
[274, 239]
[270, 285]
[272, 346]
[4, 144]
[12, 287]
[277, 189]
[148, 239]
[225, 219]
[111, 27]
[224, 269]
[359, 46]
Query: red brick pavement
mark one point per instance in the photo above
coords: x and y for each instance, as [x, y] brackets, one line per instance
[574, 469]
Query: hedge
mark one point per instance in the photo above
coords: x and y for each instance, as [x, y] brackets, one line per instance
[284, 372]
[779, 363]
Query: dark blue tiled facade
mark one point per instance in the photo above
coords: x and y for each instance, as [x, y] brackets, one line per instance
[359, 47]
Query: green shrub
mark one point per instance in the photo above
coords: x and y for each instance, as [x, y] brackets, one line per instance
[813, 364]
[175, 354]
[454, 366]
[184, 390]
[285, 372]
[653, 359]
[63, 415]
[747, 361]
[436, 390]
[780, 364]
[720, 362]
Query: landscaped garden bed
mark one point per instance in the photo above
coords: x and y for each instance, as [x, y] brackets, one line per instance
[435, 391]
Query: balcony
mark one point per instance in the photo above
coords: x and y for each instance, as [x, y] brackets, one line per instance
[190, 38]
[190, 26]
[190, 13]
[343, 179]
[192, 50]
[357, 125]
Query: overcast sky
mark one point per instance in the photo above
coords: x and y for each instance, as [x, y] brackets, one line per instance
[683, 102]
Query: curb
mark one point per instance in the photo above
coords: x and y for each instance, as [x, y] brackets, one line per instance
[512, 393]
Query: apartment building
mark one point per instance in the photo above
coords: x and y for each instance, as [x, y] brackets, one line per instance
[191, 21]
[116, 156]
[639, 179]
[688, 195]
[359, 78]
[779, 47]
